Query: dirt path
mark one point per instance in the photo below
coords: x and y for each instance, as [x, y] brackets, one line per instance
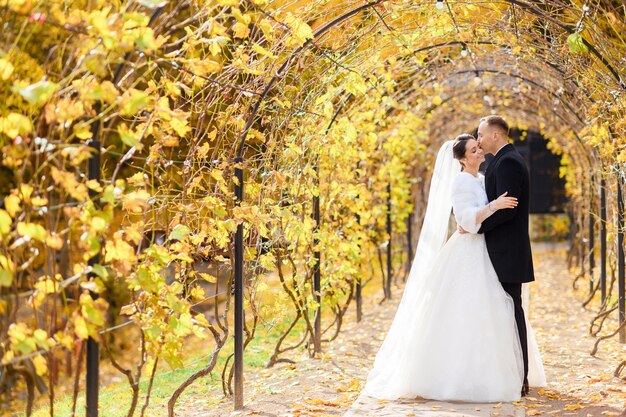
[578, 385]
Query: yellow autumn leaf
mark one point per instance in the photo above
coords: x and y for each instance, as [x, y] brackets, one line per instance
[180, 126]
[70, 184]
[15, 125]
[241, 30]
[217, 174]
[118, 249]
[267, 28]
[38, 201]
[12, 204]
[106, 92]
[203, 150]
[5, 223]
[32, 230]
[136, 201]
[262, 51]
[64, 111]
[94, 185]
[80, 327]
[355, 84]
[54, 241]
[437, 100]
[6, 69]
[170, 141]
[204, 67]
[300, 31]
[208, 277]
[41, 365]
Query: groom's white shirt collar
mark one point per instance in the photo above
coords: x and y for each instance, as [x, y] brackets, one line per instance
[500, 149]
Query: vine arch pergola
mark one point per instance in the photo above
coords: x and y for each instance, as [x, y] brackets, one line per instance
[555, 88]
[333, 108]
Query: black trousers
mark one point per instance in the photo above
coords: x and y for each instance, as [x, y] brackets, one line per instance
[515, 291]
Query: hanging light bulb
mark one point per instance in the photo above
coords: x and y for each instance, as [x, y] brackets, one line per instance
[439, 4]
[463, 51]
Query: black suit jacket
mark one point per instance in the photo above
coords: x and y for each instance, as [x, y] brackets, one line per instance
[506, 231]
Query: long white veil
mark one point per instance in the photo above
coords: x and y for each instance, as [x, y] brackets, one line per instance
[432, 238]
[435, 226]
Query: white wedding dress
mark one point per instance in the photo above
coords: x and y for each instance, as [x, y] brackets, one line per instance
[454, 335]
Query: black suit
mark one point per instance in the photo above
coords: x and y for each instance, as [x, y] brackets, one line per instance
[506, 231]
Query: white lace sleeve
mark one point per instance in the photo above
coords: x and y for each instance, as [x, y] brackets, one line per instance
[465, 203]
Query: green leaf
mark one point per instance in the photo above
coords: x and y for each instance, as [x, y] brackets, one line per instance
[128, 136]
[90, 311]
[576, 43]
[37, 93]
[100, 271]
[182, 326]
[6, 278]
[153, 4]
[179, 232]
[133, 101]
[150, 281]
[145, 41]
[108, 196]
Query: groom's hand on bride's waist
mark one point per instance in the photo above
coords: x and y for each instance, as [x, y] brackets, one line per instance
[461, 230]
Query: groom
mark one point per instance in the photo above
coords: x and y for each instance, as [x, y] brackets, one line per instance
[506, 231]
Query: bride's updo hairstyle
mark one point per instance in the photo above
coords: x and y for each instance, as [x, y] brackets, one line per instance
[459, 146]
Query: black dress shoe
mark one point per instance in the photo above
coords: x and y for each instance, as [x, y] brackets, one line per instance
[525, 389]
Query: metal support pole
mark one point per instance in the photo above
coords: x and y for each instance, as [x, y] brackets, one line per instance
[317, 288]
[581, 244]
[93, 349]
[359, 295]
[620, 257]
[239, 290]
[603, 238]
[388, 282]
[591, 237]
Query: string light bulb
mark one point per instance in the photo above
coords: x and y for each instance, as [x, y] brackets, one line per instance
[439, 4]
[463, 51]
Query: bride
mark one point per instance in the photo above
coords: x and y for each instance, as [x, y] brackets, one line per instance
[454, 335]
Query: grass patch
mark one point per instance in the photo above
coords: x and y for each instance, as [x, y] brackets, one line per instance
[114, 399]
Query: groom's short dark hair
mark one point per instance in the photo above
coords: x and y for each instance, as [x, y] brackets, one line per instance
[498, 121]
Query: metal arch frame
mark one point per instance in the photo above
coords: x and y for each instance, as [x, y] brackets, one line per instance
[285, 64]
[529, 110]
[572, 31]
[505, 46]
[521, 77]
[347, 15]
[560, 116]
